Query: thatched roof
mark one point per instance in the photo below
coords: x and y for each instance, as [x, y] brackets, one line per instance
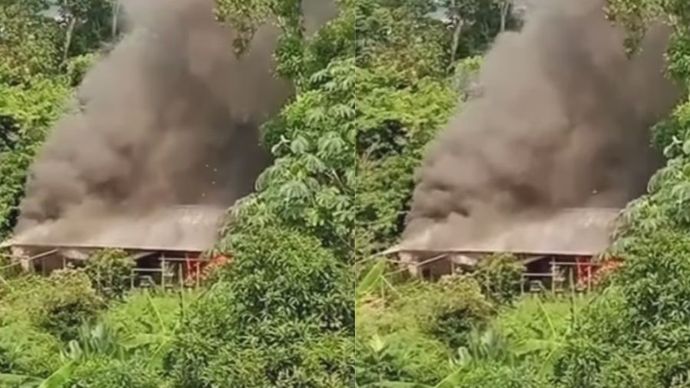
[571, 232]
[180, 228]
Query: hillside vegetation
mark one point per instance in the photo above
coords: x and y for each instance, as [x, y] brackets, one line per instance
[306, 302]
[281, 316]
[630, 332]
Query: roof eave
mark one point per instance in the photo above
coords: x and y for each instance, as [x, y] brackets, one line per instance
[397, 250]
[129, 248]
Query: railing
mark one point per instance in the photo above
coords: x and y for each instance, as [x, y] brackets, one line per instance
[560, 282]
[171, 273]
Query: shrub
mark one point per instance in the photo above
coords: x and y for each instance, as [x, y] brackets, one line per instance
[37, 313]
[68, 302]
[280, 274]
[490, 374]
[58, 304]
[308, 359]
[110, 272]
[8, 269]
[427, 306]
[106, 372]
[413, 334]
[406, 355]
[636, 333]
[500, 277]
[280, 316]
[451, 309]
[143, 312]
[27, 350]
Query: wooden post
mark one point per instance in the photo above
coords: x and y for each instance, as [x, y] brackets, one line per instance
[589, 277]
[163, 271]
[553, 276]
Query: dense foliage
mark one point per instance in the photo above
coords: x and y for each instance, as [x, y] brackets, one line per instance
[500, 277]
[42, 49]
[402, 99]
[282, 315]
[409, 336]
[110, 272]
[631, 332]
[373, 87]
[641, 319]
[278, 318]
[290, 289]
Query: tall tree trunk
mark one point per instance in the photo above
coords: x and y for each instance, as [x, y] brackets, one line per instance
[456, 38]
[505, 9]
[116, 12]
[68, 38]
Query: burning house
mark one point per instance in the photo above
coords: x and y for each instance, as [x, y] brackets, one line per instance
[168, 245]
[557, 125]
[554, 250]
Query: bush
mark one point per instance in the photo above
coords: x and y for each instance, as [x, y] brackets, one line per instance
[8, 269]
[427, 307]
[281, 274]
[500, 277]
[27, 350]
[142, 312]
[37, 314]
[489, 374]
[451, 308]
[68, 302]
[106, 372]
[405, 355]
[636, 333]
[58, 304]
[280, 316]
[307, 359]
[110, 272]
[413, 334]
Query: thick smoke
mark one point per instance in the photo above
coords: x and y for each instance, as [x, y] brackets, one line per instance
[169, 117]
[562, 121]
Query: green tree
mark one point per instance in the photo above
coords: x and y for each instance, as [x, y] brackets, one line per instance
[38, 37]
[636, 16]
[42, 52]
[278, 318]
[281, 315]
[412, 334]
[500, 277]
[86, 25]
[635, 333]
[110, 272]
[475, 24]
[401, 100]
[309, 187]
[26, 113]
[405, 58]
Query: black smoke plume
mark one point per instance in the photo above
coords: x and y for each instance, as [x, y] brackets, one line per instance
[170, 116]
[562, 121]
